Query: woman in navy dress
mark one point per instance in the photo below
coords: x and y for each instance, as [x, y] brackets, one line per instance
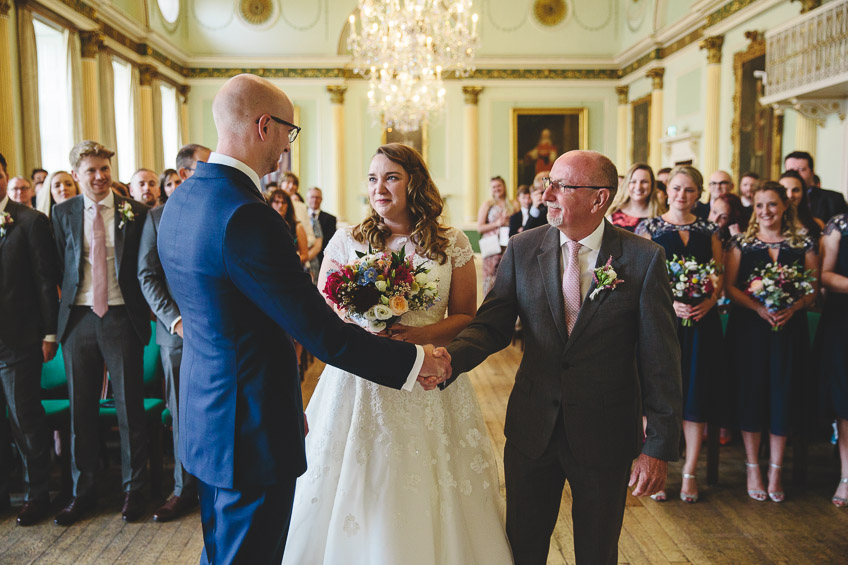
[770, 367]
[833, 337]
[682, 233]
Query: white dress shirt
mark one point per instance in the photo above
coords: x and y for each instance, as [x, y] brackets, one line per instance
[85, 294]
[220, 159]
[587, 256]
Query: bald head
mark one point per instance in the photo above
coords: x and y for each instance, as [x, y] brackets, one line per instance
[595, 169]
[584, 184]
[243, 99]
[720, 184]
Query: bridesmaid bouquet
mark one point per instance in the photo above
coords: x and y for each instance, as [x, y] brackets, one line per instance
[779, 286]
[691, 282]
[377, 288]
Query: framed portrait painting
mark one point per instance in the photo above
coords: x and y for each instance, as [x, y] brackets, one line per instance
[416, 139]
[540, 135]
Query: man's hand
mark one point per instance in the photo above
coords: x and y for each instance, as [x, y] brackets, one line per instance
[48, 349]
[648, 475]
[436, 368]
[178, 329]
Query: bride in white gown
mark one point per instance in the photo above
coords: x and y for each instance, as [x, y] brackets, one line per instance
[401, 477]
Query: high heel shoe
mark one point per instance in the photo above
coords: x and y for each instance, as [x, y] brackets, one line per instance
[838, 501]
[659, 496]
[757, 494]
[686, 497]
[778, 495]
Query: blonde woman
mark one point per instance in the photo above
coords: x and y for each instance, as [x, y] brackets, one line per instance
[637, 198]
[493, 215]
[60, 187]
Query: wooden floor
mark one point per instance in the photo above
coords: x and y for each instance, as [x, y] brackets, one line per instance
[724, 527]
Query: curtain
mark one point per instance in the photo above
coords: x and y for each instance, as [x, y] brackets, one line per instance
[135, 103]
[28, 60]
[108, 131]
[74, 69]
[158, 145]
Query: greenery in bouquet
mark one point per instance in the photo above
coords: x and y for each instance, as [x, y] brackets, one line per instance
[378, 288]
[779, 286]
[691, 282]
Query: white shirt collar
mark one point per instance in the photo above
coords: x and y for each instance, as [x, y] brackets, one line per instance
[591, 241]
[221, 159]
[108, 201]
[4, 202]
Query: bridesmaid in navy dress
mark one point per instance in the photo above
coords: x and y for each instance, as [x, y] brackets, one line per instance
[770, 367]
[833, 337]
[682, 233]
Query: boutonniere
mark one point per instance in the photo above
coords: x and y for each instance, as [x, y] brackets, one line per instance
[6, 220]
[126, 212]
[605, 278]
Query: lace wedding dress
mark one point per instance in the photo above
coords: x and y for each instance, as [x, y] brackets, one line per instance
[397, 477]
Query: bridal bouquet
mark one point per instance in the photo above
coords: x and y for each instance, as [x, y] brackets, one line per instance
[779, 286]
[377, 288]
[691, 282]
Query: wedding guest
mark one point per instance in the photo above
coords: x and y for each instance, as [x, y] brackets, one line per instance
[144, 187]
[29, 304]
[188, 157]
[169, 180]
[729, 215]
[832, 338]
[291, 184]
[532, 213]
[662, 175]
[280, 201]
[636, 198]
[747, 183]
[328, 221]
[824, 204]
[121, 189]
[796, 191]
[493, 215]
[681, 233]
[60, 187]
[768, 365]
[720, 183]
[20, 191]
[38, 176]
[103, 317]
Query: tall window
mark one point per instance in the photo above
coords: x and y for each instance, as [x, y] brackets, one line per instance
[54, 96]
[170, 124]
[124, 120]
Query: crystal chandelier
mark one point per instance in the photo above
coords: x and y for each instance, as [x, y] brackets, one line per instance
[403, 47]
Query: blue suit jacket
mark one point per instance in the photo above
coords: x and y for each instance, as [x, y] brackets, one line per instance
[239, 284]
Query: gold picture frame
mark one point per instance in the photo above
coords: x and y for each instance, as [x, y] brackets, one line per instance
[531, 149]
[640, 129]
[418, 139]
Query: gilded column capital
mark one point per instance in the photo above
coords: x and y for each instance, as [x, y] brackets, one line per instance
[337, 93]
[472, 94]
[5, 8]
[656, 76]
[622, 93]
[184, 89]
[713, 46]
[90, 43]
[807, 5]
[146, 74]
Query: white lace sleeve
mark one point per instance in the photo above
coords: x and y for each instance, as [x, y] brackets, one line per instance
[459, 250]
[337, 252]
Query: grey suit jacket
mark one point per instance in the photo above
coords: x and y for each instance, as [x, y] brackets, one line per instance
[68, 225]
[154, 286]
[621, 358]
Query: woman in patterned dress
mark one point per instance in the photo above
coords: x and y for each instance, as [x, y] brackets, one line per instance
[397, 476]
[637, 198]
[493, 215]
[682, 233]
[769, 366]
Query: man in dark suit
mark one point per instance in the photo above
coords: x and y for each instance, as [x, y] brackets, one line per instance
[597, 358]
[314, 198]
[532, 212]
[242, 292]
[29, 305]
[187, 158]
[824, 204]
[169, 337]
[103, 317]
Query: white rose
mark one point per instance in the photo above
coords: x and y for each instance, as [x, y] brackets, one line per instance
[376, 327]
[370, 315]
[421, 278]
[380, 285]
[381, 312]
[414, 288]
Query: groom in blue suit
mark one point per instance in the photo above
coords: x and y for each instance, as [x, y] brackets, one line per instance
[231, 263]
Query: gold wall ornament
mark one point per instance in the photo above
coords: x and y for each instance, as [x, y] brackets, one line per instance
[713, 47]
[256, 12]
[622, 93]
[808, 5]
[146, 74]
[472, 94]
[656, 76]
[549, 12]
[90, 43]
[184, 89]
[5, 7]
[337, 93]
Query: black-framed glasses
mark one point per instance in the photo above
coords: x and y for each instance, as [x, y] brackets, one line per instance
[720, 183]
[562, 187]
[292, 132]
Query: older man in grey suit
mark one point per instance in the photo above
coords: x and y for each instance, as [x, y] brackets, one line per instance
[597, 357]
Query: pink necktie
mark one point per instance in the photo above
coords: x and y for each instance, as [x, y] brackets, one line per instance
[97, 256]
[571, 285]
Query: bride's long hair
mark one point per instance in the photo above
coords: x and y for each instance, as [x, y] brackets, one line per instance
[425, 208]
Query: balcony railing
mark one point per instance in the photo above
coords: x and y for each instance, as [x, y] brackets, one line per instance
[808, 54]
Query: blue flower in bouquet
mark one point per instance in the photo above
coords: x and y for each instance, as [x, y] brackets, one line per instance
[675, 267]
[367, 276]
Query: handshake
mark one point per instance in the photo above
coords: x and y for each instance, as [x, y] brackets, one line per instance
[436, 368]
